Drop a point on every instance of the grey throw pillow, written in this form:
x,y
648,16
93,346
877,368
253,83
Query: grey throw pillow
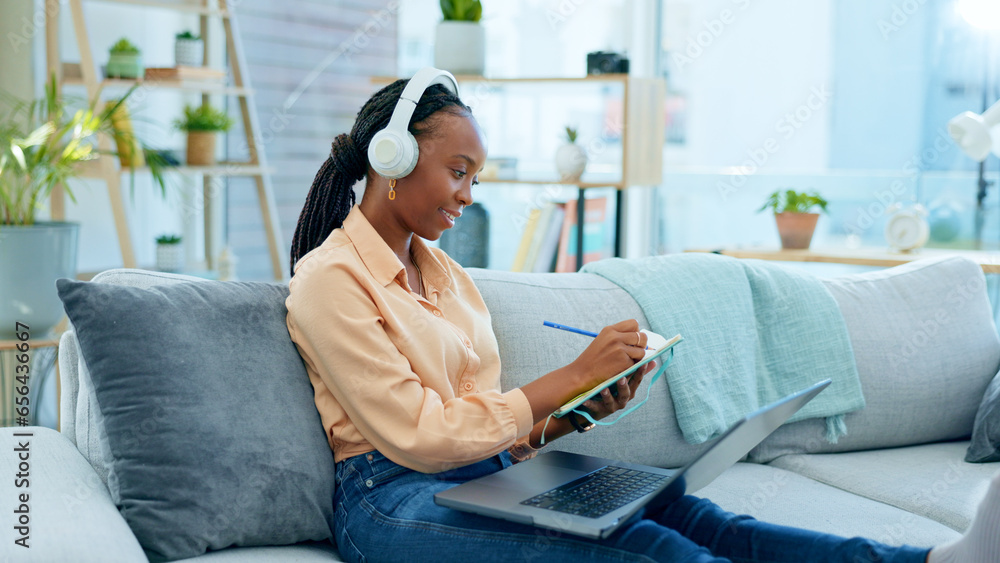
x,y
985,446
208,412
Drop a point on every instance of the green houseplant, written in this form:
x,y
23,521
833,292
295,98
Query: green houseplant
x,y
794,217
124,60
189,49
169,253
44,143
201,124
460,40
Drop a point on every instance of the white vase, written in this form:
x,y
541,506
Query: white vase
x,y
169,257
460,47
571,160
189,52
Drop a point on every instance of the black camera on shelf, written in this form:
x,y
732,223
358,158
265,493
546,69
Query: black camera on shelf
x,y
606,62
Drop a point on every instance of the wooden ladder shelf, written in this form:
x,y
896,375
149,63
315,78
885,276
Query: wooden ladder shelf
x,y
107,167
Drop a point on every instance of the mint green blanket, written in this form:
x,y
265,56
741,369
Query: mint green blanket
x,y
753,331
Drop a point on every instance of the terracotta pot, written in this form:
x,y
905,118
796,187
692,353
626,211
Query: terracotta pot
x,y
201,148
796,229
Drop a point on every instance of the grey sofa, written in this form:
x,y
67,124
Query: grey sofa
x,y
926,348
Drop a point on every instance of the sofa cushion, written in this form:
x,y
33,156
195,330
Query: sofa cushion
x,y
62,489
519,303
929,480
180,374
307,552
985,444
926,348
777,496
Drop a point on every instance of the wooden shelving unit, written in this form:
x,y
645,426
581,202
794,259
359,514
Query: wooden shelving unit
x,y
876,257
107,167
642,139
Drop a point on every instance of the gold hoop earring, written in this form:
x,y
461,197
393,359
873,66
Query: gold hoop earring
x,y
392,192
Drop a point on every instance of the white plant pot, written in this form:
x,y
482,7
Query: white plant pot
x,y
32,258
189,52
460,47
571,160
170,257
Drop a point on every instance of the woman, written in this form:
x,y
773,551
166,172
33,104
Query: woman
x,y
400,351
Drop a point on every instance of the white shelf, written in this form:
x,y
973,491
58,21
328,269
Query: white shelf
x,y
91,169
178,5
204,87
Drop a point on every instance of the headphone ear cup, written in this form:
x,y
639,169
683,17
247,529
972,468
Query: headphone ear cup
x,y
393,155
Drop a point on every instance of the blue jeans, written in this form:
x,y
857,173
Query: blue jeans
x,y
386,512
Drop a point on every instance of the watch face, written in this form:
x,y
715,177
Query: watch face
x,y
906,230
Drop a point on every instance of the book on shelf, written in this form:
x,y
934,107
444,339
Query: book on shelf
x,y
540,239
595,234
541,229
196,73
526,237
545,260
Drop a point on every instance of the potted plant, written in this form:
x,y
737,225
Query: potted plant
x,y
201,125
792,214
130,152
459,40
42,145
124,61
169,253
571,159
189,49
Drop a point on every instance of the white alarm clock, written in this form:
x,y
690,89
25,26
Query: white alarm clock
x,y
907,228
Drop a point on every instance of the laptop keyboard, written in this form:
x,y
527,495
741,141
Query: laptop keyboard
x,y
598,493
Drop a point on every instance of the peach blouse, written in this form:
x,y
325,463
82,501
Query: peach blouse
x,y
417,379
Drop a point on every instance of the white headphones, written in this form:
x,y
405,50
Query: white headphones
x,y
393,151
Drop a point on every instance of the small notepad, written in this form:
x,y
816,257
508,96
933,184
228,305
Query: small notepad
x,y
656,346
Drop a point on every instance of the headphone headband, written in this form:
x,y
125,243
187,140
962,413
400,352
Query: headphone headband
x,y
393,151
415,88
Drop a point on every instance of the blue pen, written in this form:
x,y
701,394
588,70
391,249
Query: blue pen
x,y
571,329
576,330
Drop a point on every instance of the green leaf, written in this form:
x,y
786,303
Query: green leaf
x,y
448,9
19,157
42,143
791,201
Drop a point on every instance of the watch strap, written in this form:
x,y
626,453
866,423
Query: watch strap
x,y
576,423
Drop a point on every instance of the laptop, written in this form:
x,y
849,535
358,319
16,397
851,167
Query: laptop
x,y
591,496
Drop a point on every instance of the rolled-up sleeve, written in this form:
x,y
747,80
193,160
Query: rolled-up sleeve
x,y
396,376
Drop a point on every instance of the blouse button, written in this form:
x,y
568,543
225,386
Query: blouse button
x,y
468,344
468,386
437,313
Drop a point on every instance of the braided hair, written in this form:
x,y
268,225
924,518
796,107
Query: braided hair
x,y
331,196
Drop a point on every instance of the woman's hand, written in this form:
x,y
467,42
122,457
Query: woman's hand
x,y
616,348
607,402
